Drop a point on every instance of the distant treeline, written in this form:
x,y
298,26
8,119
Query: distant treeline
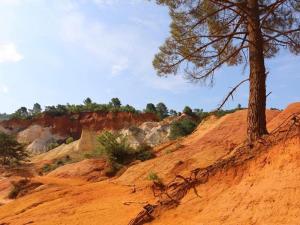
x,y
4,116
115,105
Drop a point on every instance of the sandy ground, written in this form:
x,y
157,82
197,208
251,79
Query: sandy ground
x,y
266,190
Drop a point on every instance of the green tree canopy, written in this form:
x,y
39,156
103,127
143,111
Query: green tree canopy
x,y
188,111
115,102
87,101
21,113
173,112
37,109
10,150
150,108
162,110
208,34
182,128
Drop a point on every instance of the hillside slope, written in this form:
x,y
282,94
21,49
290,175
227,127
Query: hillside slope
x,y
259,186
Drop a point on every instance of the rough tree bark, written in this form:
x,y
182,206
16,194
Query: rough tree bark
x,y
257,95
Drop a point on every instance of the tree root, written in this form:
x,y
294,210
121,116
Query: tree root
x,y
144,216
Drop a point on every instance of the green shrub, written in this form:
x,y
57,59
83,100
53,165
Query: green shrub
x,y
115,148
56,163
144,152
152,176
112,169
221,112
52,145
48,168
69,140
11,151
182,128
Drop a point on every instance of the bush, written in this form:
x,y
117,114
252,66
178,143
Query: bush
x,y
221,112
58,110
117,151
182,128
113,169
11,151
52,145
144,152
115,148
69,140
56,163
47,168
128,108
152,176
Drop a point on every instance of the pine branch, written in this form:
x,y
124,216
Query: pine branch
x,y
230,94
219,64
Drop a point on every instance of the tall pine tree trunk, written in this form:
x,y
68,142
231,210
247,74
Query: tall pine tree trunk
x,y
257,95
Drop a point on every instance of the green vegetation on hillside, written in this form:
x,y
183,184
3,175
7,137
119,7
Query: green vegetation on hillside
x,y
11,151
4,116
118,153
182,128
47,168
160,110
185,127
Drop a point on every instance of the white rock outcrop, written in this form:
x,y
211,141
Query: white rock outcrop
x,y
37,138
150,133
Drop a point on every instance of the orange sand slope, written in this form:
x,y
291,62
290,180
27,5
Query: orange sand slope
x,y
266,190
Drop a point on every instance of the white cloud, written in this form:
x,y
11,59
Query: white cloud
x,y
9,53
3,89
114,47
119,66
126,47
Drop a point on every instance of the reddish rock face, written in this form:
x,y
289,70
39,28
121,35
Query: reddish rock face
x,y
72,125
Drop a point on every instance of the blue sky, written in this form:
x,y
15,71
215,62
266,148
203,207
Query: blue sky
x,y
59,51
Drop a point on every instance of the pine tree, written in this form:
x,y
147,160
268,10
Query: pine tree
x,y
37,109
207,34
115,102
162,110
87,101
10,150
150,108
188,111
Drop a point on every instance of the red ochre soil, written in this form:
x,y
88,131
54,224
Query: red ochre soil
x,y
264,190
72,125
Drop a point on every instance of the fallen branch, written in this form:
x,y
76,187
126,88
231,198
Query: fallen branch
x,y
139,203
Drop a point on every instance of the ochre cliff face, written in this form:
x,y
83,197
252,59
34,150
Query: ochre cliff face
x,y
72,125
